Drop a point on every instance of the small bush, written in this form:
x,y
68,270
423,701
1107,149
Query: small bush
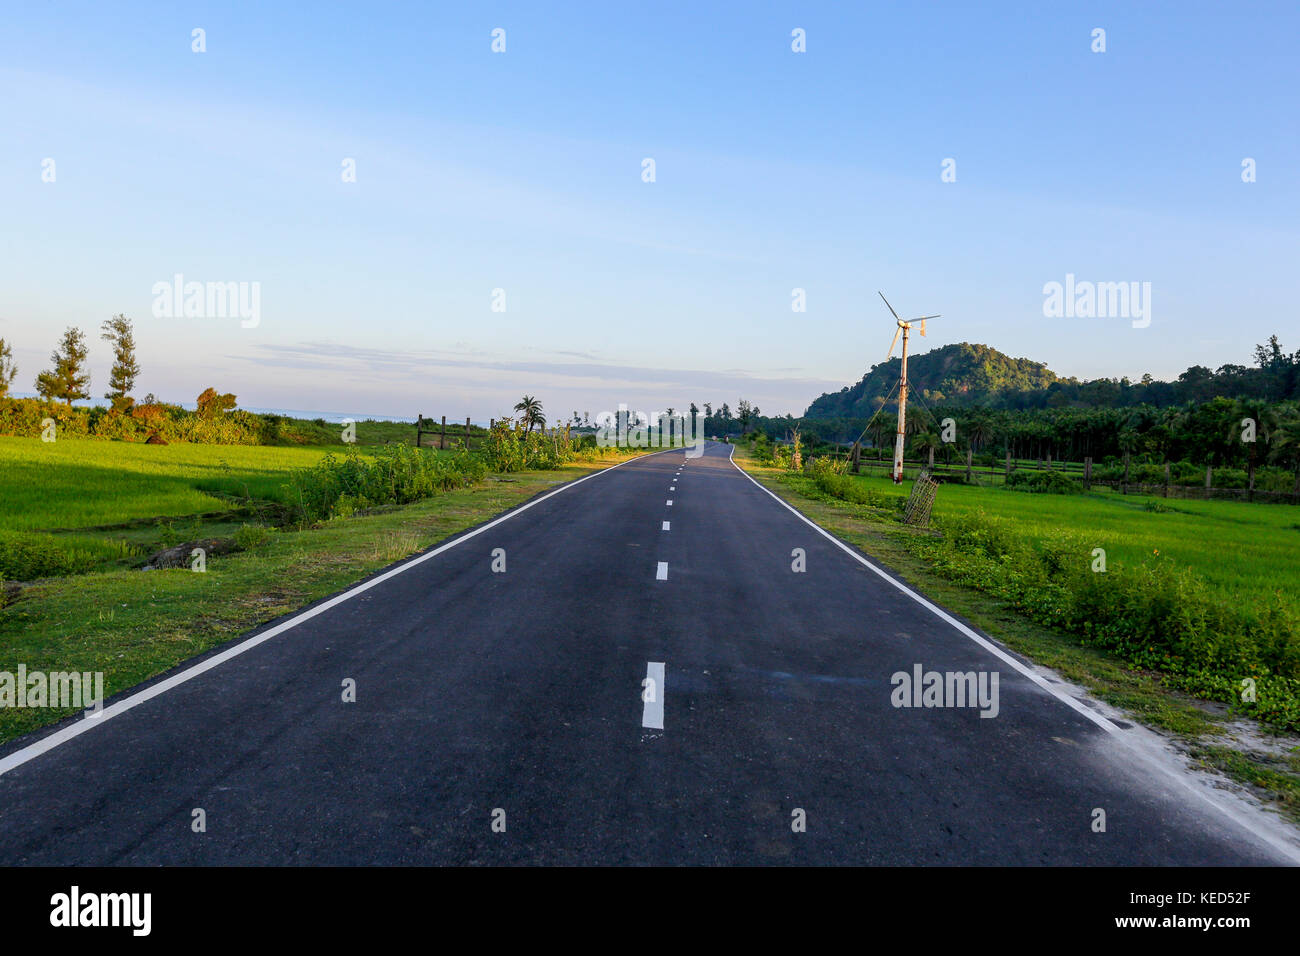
x,y
251,536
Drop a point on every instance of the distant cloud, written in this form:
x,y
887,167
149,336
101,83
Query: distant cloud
x,y
591,381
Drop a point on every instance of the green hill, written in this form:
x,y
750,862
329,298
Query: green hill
x,y
961,374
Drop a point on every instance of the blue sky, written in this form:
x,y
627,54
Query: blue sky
x,y
521,171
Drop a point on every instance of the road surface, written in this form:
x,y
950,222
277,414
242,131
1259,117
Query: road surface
x,y
503,717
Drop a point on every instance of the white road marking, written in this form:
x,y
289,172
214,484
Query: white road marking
x,y
76,729
670,502
665,525
661,574
1101,721
652,696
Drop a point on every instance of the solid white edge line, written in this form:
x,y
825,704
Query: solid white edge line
x,y
33,750
652,711
1104,723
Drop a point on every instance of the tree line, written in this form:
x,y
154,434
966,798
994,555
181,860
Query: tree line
x,y
68,380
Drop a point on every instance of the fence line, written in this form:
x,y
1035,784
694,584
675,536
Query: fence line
x,y
1081,471
440,435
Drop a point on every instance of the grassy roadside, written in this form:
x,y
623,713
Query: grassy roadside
x,y
1268,766
133,625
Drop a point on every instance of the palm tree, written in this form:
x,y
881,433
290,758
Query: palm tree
x,y
981,430
532,413
927,441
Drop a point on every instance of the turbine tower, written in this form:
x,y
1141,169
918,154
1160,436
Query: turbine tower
x,y
900,437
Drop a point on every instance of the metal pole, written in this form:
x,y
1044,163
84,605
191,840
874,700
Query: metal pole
x,y
902,414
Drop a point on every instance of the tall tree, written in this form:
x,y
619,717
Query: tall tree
x,y
744,412
7,368
121,379
68,380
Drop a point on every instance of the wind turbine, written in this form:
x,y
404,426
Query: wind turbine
x,y
904,328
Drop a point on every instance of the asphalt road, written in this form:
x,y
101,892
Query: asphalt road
x,y
522,691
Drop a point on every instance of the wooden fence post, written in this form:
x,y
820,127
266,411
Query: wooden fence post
x,y
1250,473
1087,473
442,439
856,455
1008,474
1049,461
1124,486
931,458
467,433
969,455
1166,479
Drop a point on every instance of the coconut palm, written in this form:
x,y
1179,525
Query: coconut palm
x,y
531,413
980,431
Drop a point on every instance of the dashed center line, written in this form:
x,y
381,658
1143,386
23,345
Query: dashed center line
x,y
662,573
670,502
665,525
652,696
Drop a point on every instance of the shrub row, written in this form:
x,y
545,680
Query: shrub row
x,y
1043,482
337,486
24,417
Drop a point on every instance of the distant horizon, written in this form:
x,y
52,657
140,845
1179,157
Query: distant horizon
x,y
482,421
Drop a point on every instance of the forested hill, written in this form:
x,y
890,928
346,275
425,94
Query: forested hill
x,y
961,374
966,375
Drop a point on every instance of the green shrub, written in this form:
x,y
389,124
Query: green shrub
x,y
26,556
250,536
1043,482
396,474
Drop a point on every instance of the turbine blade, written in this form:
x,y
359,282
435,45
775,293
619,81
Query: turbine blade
x,y
887,305
897,331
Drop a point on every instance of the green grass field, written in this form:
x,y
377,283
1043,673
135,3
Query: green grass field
x,y
1245,549
65,485
106,505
